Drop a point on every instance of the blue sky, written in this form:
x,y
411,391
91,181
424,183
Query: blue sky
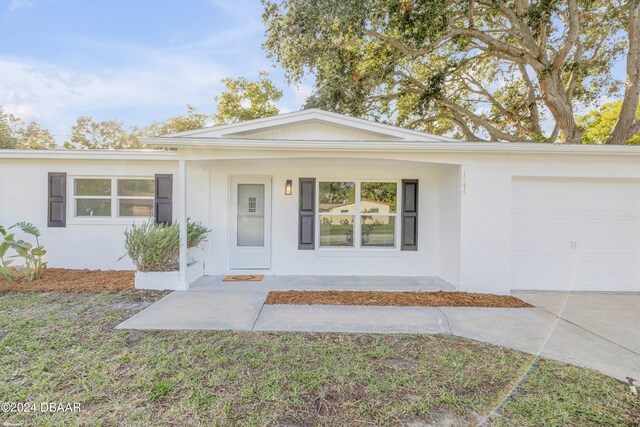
x,y
134,61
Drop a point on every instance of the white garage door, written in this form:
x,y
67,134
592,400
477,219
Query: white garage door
x,y
575,234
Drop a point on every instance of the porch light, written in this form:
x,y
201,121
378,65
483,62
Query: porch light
x,y
288,187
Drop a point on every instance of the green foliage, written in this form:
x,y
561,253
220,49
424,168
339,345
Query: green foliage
x,y
156,247
159,389
16,134
476,70
386,192
599,124
88,133
33,267
5,273
193,120
196,234
247,100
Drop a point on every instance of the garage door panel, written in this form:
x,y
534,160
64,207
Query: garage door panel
x,y
543,271
570,234
585,200
622,235
539,234
534,198
590,235
620,273
624,200
590,272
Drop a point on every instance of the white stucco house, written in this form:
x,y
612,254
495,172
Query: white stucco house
x,y
319,193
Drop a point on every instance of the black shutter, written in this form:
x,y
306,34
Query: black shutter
x,y
57,200
306,219
164,199
409,215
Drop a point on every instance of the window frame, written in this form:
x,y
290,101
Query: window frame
x,y
357,217
115,217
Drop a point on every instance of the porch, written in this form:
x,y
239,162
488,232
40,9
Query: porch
x,y
208,190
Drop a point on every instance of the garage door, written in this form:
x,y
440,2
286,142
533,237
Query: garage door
x,y
575,234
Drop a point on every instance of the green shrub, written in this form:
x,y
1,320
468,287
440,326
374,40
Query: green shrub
x,y
33,267
156,247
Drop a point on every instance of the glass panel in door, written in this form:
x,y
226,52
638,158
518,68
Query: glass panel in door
x,y
250,215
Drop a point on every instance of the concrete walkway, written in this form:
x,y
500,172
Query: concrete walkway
x,y
596,330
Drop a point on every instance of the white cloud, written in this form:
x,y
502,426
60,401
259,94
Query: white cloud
x,y
20,4
55,94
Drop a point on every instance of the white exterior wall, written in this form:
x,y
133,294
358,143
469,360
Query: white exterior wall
x,y
464,223
486,207
91,244
469,189
286,258
449,192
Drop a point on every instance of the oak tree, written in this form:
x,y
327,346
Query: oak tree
x,y
478,69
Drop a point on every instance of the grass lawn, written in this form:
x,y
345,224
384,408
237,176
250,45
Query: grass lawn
x,y
61,348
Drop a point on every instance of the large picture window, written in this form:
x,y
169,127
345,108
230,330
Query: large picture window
x,y
113,197
357,214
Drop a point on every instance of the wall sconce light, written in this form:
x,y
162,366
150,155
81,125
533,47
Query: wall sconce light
x,y
288,187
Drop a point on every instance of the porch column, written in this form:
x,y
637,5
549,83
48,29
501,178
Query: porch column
x,y
182,221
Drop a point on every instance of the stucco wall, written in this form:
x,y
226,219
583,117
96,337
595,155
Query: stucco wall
x,y
286,258
449,190
87,244
465,207
486,207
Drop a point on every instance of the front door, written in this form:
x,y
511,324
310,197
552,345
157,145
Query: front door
x,y
250,223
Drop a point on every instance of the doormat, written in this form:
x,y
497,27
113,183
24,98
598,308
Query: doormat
x,y
244,278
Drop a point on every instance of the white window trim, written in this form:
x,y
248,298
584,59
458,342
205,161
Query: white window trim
x,y
115,205
357,220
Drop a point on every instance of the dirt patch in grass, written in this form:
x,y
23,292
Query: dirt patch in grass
x,y
63,280
402,299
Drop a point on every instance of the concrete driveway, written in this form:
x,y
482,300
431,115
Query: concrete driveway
x,y
594,330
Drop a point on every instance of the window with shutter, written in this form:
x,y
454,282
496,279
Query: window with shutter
x,y
164,198
306,217
409,215
57,200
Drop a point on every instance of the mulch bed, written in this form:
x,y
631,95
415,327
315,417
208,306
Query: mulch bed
x,y
402,299
63,280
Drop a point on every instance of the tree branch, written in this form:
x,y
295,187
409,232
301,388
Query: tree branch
x,y
626,126
495,133
572,35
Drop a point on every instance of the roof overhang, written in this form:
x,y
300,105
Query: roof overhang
x,y
244,129
65,154
404,146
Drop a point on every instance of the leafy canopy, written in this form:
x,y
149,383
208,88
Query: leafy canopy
x,y
15,133
247,100
477,69
599,124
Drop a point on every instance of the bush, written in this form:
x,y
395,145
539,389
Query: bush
x,y
33,267
156,247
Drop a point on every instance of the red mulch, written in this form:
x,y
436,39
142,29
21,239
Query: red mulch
x,y
63,280
403,299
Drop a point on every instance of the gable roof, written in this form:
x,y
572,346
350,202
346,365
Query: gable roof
x,y
304,125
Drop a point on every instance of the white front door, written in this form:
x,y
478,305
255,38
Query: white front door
x,y
250,223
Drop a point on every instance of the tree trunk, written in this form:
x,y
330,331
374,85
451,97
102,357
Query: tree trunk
x,y
555,98
623,128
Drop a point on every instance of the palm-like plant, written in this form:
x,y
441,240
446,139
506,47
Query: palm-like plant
x,y
34,266
4,248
